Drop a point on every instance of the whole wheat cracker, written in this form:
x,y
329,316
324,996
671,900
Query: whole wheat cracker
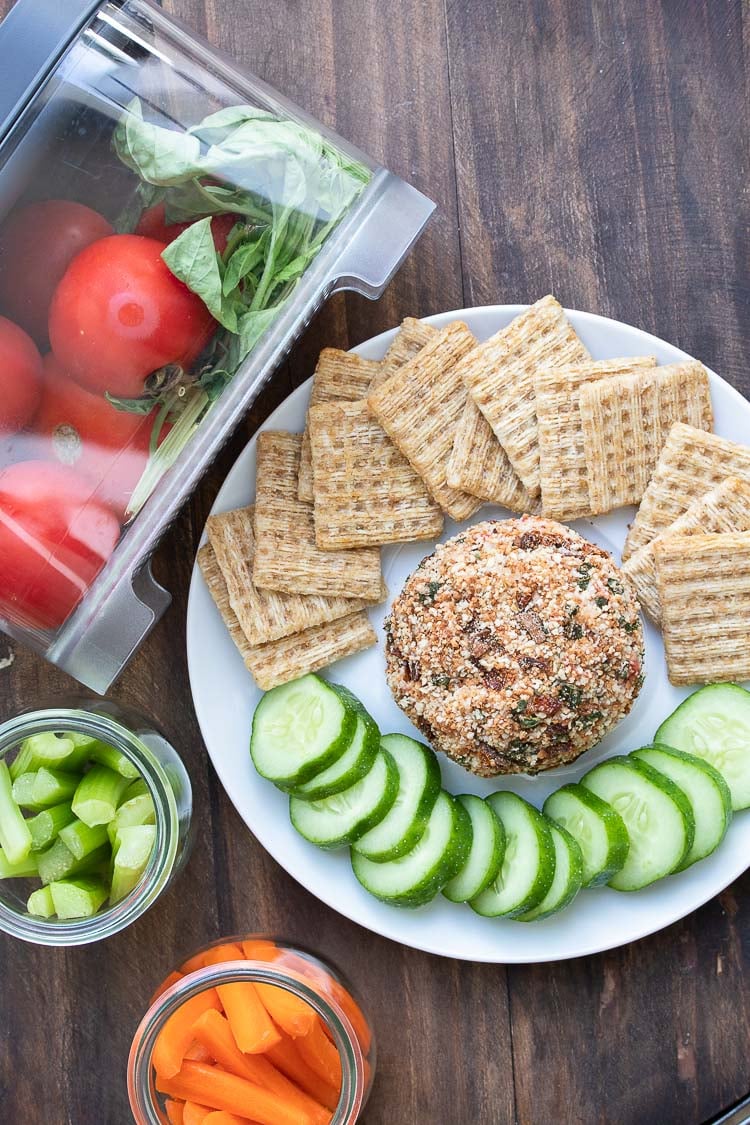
x,y
565,490
499,374
290,657
625,423
725,508
338,376
366,492
264,615
286,555
704,590
691,464
479,465
419,408
411,337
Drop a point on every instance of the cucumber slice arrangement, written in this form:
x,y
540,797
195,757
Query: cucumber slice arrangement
x,y
630,821
419,784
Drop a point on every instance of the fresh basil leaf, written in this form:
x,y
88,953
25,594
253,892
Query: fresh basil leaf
x,y
157,155
214,382
131,405
213,129
250,329
244,260
193,259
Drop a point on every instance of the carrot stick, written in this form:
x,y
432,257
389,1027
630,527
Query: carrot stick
x,y
176,1037
251,1024
287,1058
217,1089
193,963
291,1013
329,986
174,1112
194,1114
227,952
320,1054
213,1031
221,1117
196,1052
165,984
259,949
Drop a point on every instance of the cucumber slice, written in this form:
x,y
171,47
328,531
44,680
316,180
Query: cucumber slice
x,y
598,830
353,764
705,789
485,857
346,816
567,881
419,784
528,866
657,815
714,724
415,878
301,728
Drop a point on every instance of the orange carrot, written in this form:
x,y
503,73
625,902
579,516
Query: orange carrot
x,y
174,1112
259,949
165,984
221,1117
213,1031
251,1024
197,1052
176,1037
292,1014
287,1058
194,1114
329,986
193,963
320,1054
219,953
214,1087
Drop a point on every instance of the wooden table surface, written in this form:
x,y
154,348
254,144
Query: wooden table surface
x,y
598,150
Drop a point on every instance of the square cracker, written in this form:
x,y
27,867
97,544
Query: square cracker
x,y
286,659
338,376
691,464
264,615
724,508
410,339
479,465
499,374
286,555
366,492
562,465
626,420
419,408
704,590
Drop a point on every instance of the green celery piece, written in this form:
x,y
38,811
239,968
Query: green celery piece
x,y
134,848
15,837
98,795
135,789
45,826
81,839
58,862
22,790
44,749
40,903
78,898
114,760
52,787
138,810
24,869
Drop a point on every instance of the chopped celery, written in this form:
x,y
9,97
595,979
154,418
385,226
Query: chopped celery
x,y
24,869
136,788
51,787
81,839
58,862
15,837
78,898
22,790
138,810
98,795
40,903
45,826
134,847
47,749
114,760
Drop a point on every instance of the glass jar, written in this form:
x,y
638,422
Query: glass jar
x,y
273,962
169,785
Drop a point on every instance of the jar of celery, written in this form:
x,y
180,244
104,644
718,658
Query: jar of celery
x,y
95,808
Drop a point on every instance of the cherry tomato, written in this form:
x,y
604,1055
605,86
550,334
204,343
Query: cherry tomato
x,y
83,430
37,244
20,377
118,314
54,539
153,224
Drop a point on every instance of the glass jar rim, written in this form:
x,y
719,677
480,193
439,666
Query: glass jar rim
x,y
345,1039
105,923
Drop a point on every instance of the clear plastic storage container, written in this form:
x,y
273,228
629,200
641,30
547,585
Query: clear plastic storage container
x,y
168,226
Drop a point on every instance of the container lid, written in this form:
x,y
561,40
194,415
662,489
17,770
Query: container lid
x,y
34,35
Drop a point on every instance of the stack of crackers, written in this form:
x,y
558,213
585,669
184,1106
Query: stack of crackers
x,y
527,420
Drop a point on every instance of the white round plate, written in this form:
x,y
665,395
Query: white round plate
x,y
225,696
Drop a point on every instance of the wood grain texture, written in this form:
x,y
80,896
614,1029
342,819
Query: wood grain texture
x,y
599,150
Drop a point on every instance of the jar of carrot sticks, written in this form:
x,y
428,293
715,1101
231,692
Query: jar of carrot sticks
x,y
252,1031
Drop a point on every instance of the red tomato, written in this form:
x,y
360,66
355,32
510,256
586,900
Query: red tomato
x,y
153,224
20,377
37,244
54,539
83,430
118,314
